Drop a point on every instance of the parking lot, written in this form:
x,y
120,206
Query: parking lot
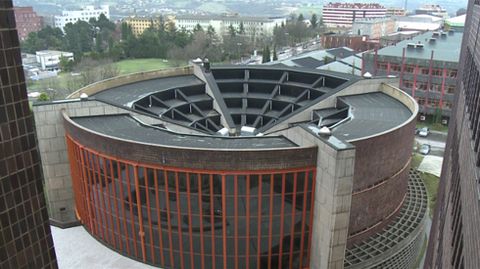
x,y
436,140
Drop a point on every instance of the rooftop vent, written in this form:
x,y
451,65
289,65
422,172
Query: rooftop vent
x,y
223,132
436,34
367,75
432,40
420,46
324,131
411,45
83,96
247,131
444,35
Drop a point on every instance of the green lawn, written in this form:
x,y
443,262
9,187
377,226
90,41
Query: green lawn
x,y
141,65
65,83
430,181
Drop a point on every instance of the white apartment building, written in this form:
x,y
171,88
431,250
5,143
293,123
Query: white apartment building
x,y
50,59
344,14
253,26
85,14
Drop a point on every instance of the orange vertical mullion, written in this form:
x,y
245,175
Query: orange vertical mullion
x,y
78,194
115,204
140,217
235,202
105,172
124,214
200,203
159,221
270,220
212,220
149,215
101,200
312,203
247,216
91,173
292,225
170,240
130,204
179,220
282,221
224,222
89,191
190,230
259,220
304,215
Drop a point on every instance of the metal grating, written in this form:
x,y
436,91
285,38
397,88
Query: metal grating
x,y
401,236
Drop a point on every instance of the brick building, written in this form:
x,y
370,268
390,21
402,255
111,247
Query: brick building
x,y
344,14
231,166
427,68
27,21
374,28
25,237
455,234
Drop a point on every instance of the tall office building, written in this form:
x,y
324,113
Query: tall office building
x,y
25,237
455,233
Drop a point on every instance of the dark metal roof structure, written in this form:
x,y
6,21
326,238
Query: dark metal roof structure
x,y
259,97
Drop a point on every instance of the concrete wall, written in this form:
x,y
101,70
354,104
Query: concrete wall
x,y
55,164
333,192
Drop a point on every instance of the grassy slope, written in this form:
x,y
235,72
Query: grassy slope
x,y
430,181
125,67
140,65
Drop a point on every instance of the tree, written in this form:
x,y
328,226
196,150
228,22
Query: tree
x,y
65,64
300,18
79,38
314,21
241,29
266,55
46,38
43,97
231,31
275,57
198,28
461,11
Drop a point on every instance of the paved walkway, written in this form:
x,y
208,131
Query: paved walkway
x,y
77,249
431,164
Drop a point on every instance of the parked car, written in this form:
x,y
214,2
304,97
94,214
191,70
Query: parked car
x,y
424,132
424,149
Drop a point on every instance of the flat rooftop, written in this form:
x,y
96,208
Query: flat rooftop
x,y
445,48
371,114
126,94
126,127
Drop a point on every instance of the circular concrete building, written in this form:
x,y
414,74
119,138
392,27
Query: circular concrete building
x,y
246,167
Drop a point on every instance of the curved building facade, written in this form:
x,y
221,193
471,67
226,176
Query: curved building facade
x,y
243,167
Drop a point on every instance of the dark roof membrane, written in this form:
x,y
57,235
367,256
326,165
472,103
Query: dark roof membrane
x,y
125,127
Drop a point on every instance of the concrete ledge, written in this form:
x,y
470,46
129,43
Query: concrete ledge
x,y
64,225
130,78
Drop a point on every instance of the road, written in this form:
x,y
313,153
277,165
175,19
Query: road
x,y
436,140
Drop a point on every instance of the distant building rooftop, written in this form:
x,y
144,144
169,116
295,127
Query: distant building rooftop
x,y
314,59
446,47
226,18
354,5
51,52
458,21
